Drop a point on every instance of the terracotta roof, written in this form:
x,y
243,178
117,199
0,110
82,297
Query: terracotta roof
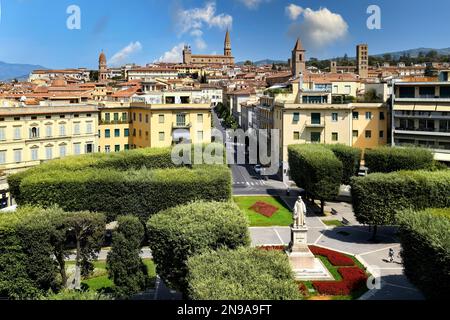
x,y
38,110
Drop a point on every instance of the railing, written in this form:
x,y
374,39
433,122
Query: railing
x,y
180,125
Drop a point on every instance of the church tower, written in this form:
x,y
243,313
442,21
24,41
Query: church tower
x,y
227,47
298,60
187,55
102,68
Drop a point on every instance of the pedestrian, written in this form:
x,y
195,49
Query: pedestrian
x,y
288,191
391,255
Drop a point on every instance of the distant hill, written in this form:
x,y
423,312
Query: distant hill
x,y
10,71
414,53
264,62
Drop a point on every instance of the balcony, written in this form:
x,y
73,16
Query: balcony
x,y
181,125
422,131
315,125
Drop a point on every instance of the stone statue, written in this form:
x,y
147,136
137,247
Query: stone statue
x,y
299,213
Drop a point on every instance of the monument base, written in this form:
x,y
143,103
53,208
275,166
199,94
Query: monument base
x,y
305,266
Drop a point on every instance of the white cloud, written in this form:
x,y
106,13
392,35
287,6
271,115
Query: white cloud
x,y
121,56
200,44
197,33
319,28
197,18
293,11
175,55
253,4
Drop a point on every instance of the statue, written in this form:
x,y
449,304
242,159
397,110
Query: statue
x,y
299,214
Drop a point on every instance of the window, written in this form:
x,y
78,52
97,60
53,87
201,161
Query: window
x,y
427,92
34,133
77,148
116,117
181,120
355,133
134,132
124,116
140,117
334,136
116,133
134,116
18,155
162,136
62,129
382,117
140,133
107,117
146,118
117,148
2,157
126,132
368,134
200,136
200,118
161,118
34,154
296,117
382,134
316,137
89,148
107,149
334,117
107,133
368,115
407,92
49,153
356,115
62,151
89,127
2,134
48,131
76,128
17,133
315,118
127,147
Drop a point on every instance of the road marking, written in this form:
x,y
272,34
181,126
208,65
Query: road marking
x,y
383,249
278,235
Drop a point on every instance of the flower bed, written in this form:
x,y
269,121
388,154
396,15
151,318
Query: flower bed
x,y
265,209
273,248
337,259
354,278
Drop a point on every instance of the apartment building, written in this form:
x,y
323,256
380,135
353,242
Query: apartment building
x,y
114,127
30,135
421,115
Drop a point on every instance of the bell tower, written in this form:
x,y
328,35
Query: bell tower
x,y
227,46
298,59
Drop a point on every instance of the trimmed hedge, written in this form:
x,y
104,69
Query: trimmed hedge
x,y
387,159
425,238
242,274
316,169
378,197
350,158
180,232
133,192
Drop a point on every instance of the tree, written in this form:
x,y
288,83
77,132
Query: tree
x,y
88,231
125,267
248,63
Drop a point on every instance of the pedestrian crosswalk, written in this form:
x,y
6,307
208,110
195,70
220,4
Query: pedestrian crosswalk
x,y
252,183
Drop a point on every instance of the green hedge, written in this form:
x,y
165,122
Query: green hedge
x,y
180,232
133,192
425,238
350,158
378,197
387,159
26,265
242,274
315,169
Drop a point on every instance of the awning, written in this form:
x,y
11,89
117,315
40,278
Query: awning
x,y
181,134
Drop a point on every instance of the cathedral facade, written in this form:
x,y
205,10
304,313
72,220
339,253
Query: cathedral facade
x,y
204,60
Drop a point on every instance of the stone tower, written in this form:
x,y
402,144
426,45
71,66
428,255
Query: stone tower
x,y
362,60
298,59
333,66
102,68
227,46
187,55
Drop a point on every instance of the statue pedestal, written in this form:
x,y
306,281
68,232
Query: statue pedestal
x,y
303,263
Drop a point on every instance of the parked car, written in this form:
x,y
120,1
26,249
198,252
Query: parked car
x,y
258,169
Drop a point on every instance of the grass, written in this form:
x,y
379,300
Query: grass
x,y
282,218
333,223
99,280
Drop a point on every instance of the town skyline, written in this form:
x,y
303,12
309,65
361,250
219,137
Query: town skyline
x,y
327,30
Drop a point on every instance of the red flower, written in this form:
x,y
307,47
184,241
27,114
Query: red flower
x,y
337,259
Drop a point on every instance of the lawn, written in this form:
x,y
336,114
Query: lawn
x,y
333,223
100,281
282,218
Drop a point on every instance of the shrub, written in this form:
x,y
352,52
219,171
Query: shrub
x,y
378,197
350,158
125,267
336,258
332,288
180,232
134,192
72,295
387,159
242,274
353,279
316,169
425,238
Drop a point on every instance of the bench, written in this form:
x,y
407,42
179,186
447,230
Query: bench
x,y
334,212
345,222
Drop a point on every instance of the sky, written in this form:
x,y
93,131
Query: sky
x,y
51,33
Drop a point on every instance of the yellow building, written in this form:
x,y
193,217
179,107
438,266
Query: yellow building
x,y
114,128
370,123
30,135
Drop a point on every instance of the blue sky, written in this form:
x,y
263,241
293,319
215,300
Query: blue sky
x,y
142,31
